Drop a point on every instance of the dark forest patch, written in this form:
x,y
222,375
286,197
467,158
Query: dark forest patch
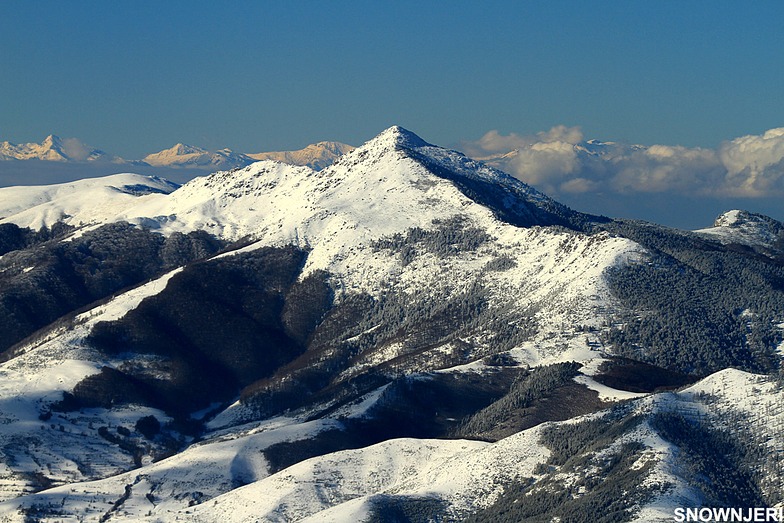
x,y
47,278
216,327
636,376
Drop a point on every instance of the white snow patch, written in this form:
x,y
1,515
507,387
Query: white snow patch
x,y
607,393
126,302
359,408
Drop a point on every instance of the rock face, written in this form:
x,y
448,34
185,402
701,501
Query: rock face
x,y
405,334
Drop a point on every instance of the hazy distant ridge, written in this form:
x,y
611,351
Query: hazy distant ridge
x,y
72,150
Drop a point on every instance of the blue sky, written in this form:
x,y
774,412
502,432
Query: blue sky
x,y
135,77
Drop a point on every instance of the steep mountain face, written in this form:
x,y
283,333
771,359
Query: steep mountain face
x,y
280,343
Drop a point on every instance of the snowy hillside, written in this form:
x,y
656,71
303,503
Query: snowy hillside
x,y
62,448
83,202
747,228
406,334
442,478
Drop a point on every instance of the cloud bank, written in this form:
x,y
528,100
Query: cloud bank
x,y
559,161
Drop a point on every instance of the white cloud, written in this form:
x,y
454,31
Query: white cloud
x,y
558,161
75,149
493,142
546,164
754,164
579,185
662,168
561,133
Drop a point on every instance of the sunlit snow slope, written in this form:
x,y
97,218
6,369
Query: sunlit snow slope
x,y
83,202
440,278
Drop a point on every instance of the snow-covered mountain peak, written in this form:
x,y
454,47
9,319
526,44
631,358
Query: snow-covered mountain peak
x,y
55,149
184,155
52,141
335,147
436,159
175,151
747,228
391,145
394,186
182,148
399,137
739,218
50,149
417,161
391,183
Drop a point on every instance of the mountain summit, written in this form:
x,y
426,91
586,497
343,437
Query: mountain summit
x,y
747,228
400,137
393,182
406,332
50,149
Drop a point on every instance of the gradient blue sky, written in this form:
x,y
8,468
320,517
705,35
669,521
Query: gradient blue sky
x,y
134,77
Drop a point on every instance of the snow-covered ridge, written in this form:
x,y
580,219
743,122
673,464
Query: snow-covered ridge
x,y
234,204
746,228
373,191
392,183
469,475
355,219
87,201
227,478
182,155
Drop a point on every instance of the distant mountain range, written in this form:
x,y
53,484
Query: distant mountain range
x,y
71,150
316,156
55,149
